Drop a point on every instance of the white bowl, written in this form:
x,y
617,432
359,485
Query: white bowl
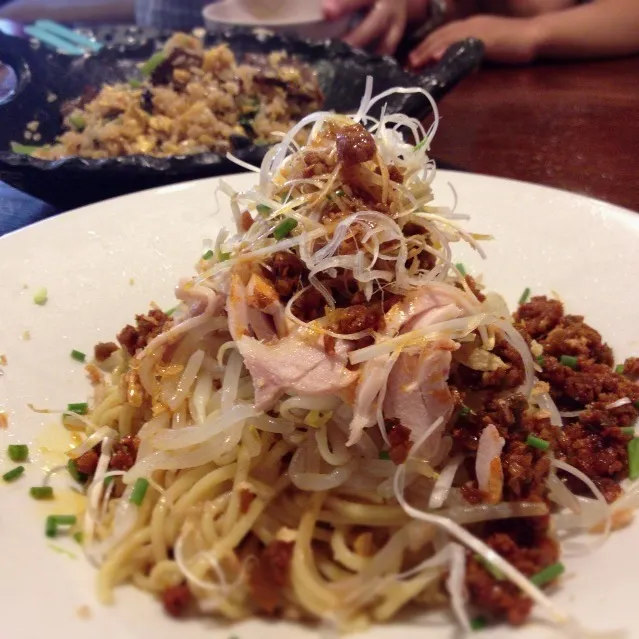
x,y
303,18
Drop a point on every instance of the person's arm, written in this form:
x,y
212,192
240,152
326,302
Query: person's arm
x,y
69,10
599,29
603,28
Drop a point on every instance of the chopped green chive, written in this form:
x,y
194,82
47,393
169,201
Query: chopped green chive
x,y
23,149
478,623
79,537
108,480
41,296
537,442
134,84
284,228
41,492
461,268
619,369
139,490
152,63
384,454
628,430
18,452
81,408
12,475
548,574
72,467
540,360
464,410
53,521
491,568
208,255
569,361
77,122
633,458
421,144
339,193
524,296
262,209
636,404
78,355
224,256
172,310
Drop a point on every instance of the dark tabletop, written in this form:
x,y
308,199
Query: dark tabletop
x,y
574,126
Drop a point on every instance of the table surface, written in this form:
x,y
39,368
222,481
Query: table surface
x,y
573,126
570,125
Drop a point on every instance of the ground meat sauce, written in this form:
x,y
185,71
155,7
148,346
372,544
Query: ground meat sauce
x,y
104,350
87,463
124,454
525,544
631,367
147,327
287,273
361,317
355,145
246,499
177,600
399,440
271,575
246,221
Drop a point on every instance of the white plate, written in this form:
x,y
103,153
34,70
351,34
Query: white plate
x,y
103,263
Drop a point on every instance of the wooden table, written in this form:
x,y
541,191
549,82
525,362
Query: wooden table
x,y
574,126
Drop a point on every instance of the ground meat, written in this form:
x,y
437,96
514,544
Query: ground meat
x,y
316,164
287,273
471,493
355,145
270,575
525,472
539,316
474,287
501,379
246,221
147,327
246,499
104,350
125,453
361,317
631,367
176,600
309,305
573,337
87,463
399,440
395,174
598,451
526,546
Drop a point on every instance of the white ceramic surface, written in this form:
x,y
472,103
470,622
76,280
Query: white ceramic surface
x,y
103,263
304,19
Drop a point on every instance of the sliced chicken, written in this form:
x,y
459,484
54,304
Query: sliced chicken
x,y
294,365
417,392
254,308
418,310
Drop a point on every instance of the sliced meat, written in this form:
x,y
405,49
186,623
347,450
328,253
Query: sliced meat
x,y
355,145
294,365
427,395
103,350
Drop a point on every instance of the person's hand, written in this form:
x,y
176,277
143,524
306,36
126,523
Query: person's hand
x,y
383,25
510,40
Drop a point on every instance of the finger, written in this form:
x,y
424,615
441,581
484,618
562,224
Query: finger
x,y
392,38
335,9
434,43
371,27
